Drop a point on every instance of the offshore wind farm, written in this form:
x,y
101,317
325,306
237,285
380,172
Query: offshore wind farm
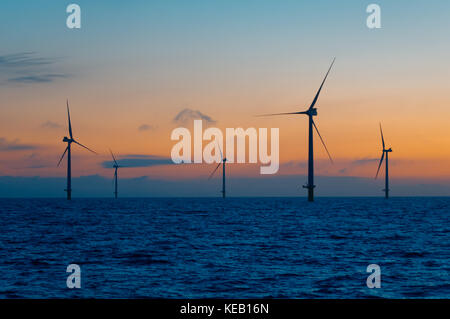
x,y
211,178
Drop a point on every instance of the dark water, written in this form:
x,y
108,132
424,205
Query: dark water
x,y
241,248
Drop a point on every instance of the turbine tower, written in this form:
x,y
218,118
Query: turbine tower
x,y
385,151
69,140
223,162
311,112
116,167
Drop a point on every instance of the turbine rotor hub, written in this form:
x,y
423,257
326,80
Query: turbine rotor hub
x,y
312,112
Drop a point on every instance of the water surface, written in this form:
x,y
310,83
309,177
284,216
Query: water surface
x,y
233,248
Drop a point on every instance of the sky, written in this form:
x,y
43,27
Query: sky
x,y
135,66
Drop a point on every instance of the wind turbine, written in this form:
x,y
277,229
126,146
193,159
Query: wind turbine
x,y
69,140
223,162
116,167
310,112
385,151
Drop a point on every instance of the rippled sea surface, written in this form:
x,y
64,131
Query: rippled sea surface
x,y
233,248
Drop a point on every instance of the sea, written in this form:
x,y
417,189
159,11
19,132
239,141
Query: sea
x,y
225,248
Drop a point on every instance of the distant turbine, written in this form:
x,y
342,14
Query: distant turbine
x,y
116,167
311,111
69,142
223,162
385,151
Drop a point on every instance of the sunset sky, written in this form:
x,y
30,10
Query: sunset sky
x,y
134,65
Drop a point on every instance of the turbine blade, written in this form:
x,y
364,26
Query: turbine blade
x,y
211,175
379,166
382,137
84,147
70,124
280,114
221,155
63,155
320,88
323,143
113,157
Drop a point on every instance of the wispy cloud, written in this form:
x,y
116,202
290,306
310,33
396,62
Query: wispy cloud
x,y
41,78
146,127
357,163
28,67
188,115
23,59
294,164
50,124
35,161
139,161
15,145
365,161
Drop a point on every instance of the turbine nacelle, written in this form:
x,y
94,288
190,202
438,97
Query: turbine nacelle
x,y
311,112
67,140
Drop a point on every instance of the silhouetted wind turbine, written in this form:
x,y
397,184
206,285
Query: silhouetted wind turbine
x,y
69,142
223,162
385,151
311,111
116,167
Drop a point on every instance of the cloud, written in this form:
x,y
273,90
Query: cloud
x,y
50,124
188,115
28,68
365,161
41,78
294,164
23,59
146,127
6,146
139,156
35,161
357,163
139,161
